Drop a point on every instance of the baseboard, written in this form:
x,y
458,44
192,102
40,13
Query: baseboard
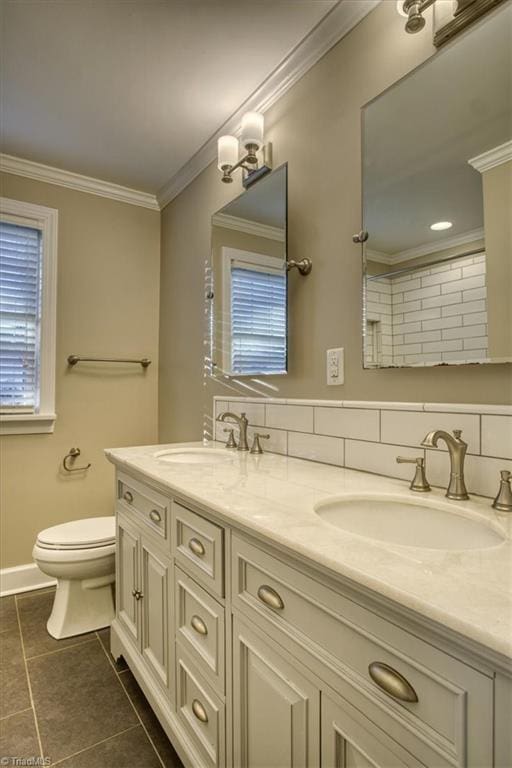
x,y
23,578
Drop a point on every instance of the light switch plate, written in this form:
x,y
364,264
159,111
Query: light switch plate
x,y
335,366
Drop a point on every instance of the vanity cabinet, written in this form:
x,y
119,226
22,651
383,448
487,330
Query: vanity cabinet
x,y
276,707
253,659
143,604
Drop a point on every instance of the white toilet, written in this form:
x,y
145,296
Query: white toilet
x,y
81,556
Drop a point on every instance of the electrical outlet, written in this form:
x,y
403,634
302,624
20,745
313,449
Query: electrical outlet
x,y
335,366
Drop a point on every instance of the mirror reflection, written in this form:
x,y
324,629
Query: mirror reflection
x,y
249,283
437,206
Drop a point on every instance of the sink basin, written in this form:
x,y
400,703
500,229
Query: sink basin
x,y
398,520
193,456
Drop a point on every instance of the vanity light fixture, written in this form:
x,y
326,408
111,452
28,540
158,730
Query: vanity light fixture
x,y
459,14
251,138
412,10
438,226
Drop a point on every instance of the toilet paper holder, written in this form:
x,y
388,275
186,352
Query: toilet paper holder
x,y
70,457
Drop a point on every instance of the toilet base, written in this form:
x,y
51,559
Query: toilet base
x,y
81,606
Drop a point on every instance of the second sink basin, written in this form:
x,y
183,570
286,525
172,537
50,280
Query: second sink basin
x,y
398,520
193,456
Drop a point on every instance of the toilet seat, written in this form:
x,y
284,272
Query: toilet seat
x,y
92,533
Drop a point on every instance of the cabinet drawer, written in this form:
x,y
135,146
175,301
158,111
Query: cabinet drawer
x,y
200,628
201,712
198,547
148,505
453,714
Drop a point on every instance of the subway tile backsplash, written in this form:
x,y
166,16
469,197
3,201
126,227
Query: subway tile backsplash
x,y
368,436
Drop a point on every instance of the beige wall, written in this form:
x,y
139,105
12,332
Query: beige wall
x,y
108,274
316,128
497,188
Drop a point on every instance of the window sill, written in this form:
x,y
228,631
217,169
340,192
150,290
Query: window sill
x,y
27,423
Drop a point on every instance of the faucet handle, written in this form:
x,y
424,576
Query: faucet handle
x,y
256,447
419,482
503,501
231,442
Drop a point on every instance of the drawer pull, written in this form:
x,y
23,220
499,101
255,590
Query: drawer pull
x,y
199,711
392,682
155,516
270,597
198,625
127,496
197,547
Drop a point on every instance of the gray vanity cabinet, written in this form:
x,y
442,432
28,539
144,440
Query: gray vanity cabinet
x,y
350,741
127,577
253,659
276,706
144,599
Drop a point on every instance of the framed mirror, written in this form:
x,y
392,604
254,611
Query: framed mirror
x,y
437,207
248,291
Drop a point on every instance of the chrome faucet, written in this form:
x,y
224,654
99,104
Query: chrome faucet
x,y
457,449
242,422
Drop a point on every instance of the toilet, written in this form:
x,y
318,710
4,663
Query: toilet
x,y
81,556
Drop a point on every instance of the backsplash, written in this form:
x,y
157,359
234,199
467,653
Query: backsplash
x,y
370,435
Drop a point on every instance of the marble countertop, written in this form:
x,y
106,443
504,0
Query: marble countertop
x,y
468,591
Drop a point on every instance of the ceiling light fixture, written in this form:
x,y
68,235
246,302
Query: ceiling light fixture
x,y
440,225
251,138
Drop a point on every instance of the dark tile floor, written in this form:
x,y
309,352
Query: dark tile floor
x,y
67,700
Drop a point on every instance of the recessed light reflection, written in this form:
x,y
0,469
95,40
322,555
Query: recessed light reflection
x,y
440,225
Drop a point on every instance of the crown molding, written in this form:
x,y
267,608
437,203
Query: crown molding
x,y
492,157
426,248
249,227
335,25
30,170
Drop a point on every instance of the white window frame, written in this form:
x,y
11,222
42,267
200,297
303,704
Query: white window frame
x,y
46,220
235,257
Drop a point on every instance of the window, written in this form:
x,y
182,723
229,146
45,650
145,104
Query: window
x,y
28,269
256,287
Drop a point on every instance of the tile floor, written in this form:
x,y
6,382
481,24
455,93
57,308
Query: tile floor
x,y
67,701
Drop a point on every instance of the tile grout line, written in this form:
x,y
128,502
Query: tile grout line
x,y
59,650
33,707
13,714
129,699
97,743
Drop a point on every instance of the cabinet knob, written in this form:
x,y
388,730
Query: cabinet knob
x,y
199,711
392,682
137,594
155,516
197,547
198,625
127,496
270,597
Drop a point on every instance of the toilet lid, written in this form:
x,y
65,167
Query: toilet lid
x,y
80,534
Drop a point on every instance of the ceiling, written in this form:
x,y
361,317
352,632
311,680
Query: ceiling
x,y
128,90
420,134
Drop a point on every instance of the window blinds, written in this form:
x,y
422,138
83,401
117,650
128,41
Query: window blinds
x,y
258,321
20,310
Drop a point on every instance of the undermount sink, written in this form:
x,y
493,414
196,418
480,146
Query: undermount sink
x,y
193,456
428,524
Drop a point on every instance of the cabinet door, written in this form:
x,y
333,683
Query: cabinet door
x,y
276,709
156,613
349,740
128,577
